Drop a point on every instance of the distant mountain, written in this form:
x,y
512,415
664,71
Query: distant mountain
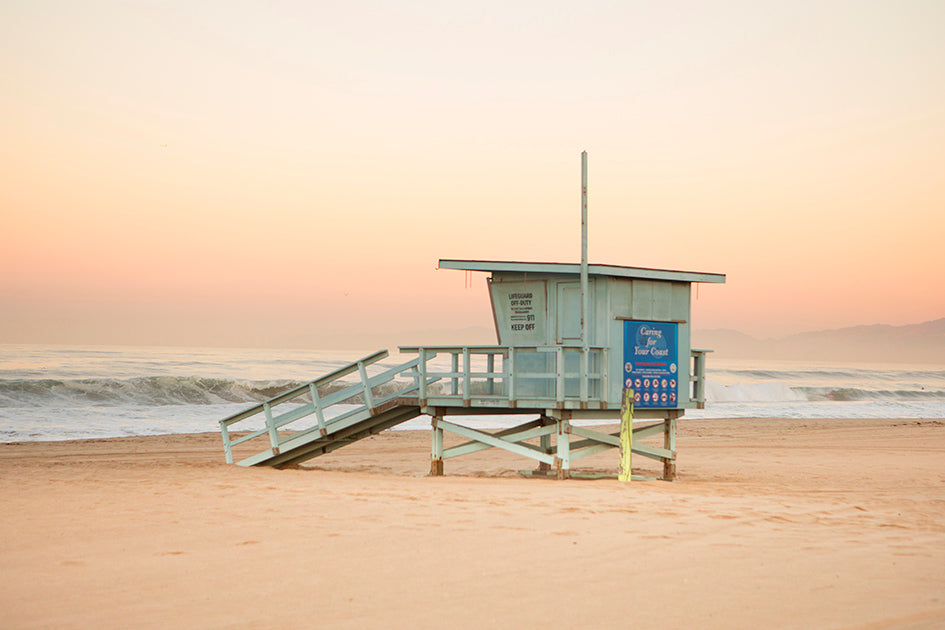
x,y
880,343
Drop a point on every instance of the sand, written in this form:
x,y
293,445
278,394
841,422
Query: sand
x,y
771,524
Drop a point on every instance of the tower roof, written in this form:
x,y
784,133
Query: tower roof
x,y
616,271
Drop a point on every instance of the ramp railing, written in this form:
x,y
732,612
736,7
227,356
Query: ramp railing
x,y
304,411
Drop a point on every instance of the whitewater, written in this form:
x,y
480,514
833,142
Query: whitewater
x,y
73,392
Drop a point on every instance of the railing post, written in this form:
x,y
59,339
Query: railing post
x,y
490,368
366,386
273,434
604,369
316,402
702,361
422,374
584,373
698,378
414,374
510,373
466,375
560,364
227,448
454,368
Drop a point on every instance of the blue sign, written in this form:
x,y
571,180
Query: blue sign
x,y
651,364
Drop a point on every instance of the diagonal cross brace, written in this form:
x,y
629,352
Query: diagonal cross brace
x,y
526,450
518,434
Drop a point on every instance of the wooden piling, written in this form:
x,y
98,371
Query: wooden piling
x,y
626,435
669,443
436,455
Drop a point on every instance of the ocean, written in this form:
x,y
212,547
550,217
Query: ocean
x,y
78,392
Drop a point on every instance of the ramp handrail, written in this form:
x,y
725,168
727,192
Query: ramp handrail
x,y
314,403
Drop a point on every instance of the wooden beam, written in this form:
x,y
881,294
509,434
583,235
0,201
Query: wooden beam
x,y
526,450
507,435
653,452
578,452
596,436
648,430
525,426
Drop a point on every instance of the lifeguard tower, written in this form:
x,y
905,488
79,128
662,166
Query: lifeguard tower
x,y
571,338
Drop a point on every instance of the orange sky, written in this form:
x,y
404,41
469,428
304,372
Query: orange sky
x,y
321,157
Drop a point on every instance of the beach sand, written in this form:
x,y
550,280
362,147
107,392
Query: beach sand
x,y
771,524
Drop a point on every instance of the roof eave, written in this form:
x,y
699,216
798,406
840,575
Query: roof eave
x,y
574,268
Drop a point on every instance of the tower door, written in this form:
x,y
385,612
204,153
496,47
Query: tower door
x,y
568,330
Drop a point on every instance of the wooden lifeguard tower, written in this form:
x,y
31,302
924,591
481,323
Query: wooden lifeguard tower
x,y
571,339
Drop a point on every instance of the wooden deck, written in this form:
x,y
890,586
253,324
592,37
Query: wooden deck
x,y
558,384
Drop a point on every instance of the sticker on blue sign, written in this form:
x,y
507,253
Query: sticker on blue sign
x,y
651,362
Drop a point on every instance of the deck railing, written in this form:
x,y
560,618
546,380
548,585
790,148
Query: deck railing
x,y
522,376
512,376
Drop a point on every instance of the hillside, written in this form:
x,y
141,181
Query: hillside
x,y
880,343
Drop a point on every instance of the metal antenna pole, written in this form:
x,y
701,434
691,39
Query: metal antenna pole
x,y
585,310
584,288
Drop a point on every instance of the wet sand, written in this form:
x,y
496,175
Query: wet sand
x,y
772,523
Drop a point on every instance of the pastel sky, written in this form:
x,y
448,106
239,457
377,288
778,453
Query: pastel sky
x,y
289,173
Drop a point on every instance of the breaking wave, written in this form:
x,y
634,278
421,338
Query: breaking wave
x,y
773,391
158,391
145,390
854,394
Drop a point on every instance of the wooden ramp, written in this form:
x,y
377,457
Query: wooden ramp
x,y
296,450
324,414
